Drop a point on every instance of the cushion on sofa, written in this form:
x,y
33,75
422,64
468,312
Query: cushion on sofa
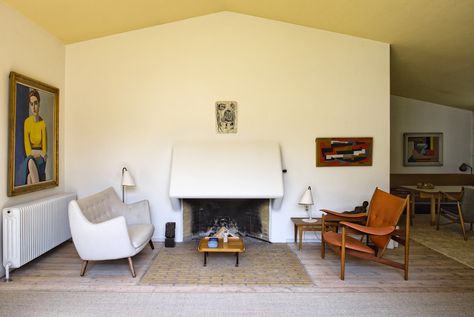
x,y
101,206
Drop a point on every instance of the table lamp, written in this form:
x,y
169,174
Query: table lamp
x,y
127,180
307,200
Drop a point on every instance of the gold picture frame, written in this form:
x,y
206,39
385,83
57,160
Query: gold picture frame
x,y
33,143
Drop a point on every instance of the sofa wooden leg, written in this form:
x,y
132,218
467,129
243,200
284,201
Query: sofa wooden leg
x,y
132,269
151,245
84,267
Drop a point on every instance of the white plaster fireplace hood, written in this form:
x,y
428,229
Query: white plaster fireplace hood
x,y
220,170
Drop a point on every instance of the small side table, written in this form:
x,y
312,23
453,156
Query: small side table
x,y
301,226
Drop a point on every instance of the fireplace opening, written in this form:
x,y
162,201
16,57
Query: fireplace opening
x,y
246,217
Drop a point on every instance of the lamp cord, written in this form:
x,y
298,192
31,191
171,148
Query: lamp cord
x,y
123,187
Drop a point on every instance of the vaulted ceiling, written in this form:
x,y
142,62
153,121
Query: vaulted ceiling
x,y
432,41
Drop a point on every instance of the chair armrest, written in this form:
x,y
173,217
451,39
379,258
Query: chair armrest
x,y
451,197
342,215
138,213
377,231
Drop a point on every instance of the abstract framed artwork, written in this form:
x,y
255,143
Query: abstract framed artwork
x,y
346,151
33,135
226,116
423,149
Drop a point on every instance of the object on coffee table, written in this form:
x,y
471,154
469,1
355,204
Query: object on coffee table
x,y
212,242
425,186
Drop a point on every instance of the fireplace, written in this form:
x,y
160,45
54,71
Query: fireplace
x,y
229,182
248,217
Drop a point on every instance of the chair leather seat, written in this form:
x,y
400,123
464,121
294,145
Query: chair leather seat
x,y
334,238
140,234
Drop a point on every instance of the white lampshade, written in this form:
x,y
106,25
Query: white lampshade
x,y
307,198
127,179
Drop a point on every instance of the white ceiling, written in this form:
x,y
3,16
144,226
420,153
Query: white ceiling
x,y
432,52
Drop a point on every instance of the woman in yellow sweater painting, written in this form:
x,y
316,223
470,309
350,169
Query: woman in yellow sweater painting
x,y
35,141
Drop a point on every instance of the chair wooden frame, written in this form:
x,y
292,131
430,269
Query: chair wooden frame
x,y
459,218
386,232
403,193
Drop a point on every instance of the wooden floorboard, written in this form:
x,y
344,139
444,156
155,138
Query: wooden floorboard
x,y
429,271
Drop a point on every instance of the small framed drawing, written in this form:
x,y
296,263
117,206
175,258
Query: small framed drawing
x,y
344,152
422,149
33,135
226,116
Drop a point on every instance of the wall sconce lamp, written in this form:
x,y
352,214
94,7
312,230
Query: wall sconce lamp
x,y
307,200
464,167
127,180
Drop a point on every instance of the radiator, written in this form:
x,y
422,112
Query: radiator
x,y
33,228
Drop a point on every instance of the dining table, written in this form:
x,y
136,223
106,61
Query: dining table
x,y
433,194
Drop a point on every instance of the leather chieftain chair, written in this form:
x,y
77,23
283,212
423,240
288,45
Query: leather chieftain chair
x,y
380,227
462,212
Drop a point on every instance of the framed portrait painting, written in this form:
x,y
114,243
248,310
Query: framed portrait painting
x,y
423,149
33,135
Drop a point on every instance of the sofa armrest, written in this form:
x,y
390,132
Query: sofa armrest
x,y
138,213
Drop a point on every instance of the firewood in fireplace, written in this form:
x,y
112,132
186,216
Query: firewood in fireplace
x,y
223,231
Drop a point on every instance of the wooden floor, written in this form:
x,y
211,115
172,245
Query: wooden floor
x,y
429,272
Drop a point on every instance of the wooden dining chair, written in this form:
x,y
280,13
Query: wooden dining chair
x,y
404,193
462,211
382,218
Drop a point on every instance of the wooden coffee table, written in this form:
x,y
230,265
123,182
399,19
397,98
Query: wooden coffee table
x,y
234,245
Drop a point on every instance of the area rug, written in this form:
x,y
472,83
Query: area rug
x,y
261,264
448,240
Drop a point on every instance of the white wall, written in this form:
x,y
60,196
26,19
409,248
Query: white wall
x,y
28,50
409,115
132,95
